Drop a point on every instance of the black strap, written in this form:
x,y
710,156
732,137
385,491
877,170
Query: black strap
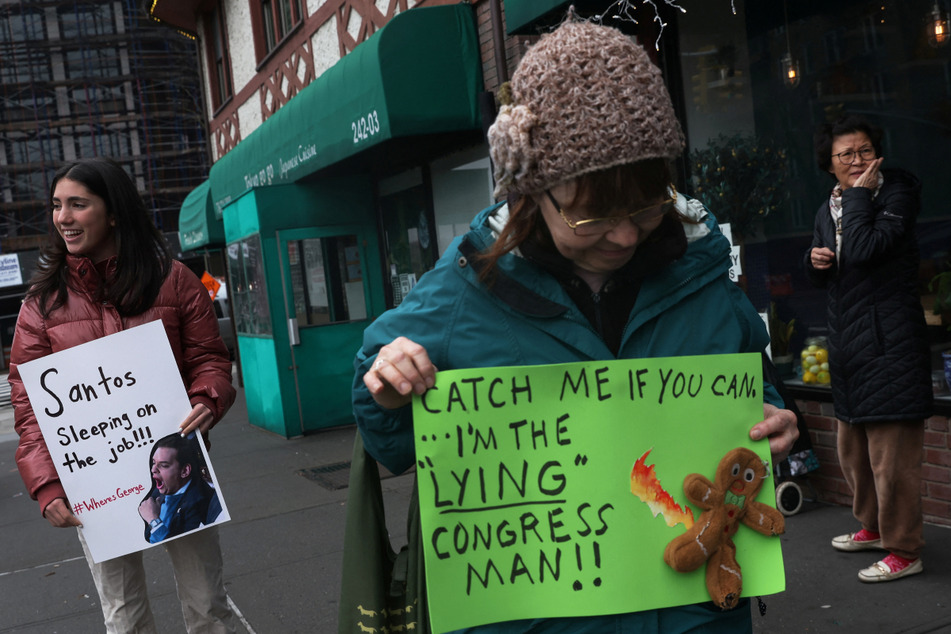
x,y
509,291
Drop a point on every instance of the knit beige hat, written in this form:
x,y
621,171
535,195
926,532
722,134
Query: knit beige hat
x,y
584,98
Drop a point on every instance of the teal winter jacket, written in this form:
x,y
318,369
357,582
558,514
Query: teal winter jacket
x,y
525,318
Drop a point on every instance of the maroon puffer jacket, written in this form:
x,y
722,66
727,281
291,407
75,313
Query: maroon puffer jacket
x,y
185,309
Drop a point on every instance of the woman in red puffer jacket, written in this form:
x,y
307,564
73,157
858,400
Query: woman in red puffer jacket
x,y
106,269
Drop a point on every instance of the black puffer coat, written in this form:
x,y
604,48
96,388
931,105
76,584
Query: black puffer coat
x,y
878,341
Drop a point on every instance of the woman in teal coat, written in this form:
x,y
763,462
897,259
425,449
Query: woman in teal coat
x,y
594,256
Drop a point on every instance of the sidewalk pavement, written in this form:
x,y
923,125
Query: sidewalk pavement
x,y
283,550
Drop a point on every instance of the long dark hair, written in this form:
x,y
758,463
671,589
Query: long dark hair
x,y
612,188
143,259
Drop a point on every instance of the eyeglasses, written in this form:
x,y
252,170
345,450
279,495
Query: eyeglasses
x,y
595,226
848,157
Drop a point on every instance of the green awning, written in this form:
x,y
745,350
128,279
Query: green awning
x,y
520,14
419,74
198,225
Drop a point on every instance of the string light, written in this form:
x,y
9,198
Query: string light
x,y
624,10
151,11
790,71
790,66
938,34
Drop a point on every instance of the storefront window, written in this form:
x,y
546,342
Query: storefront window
x,y
714,58
462,187
733,83
423,209
407,226
246,287
327,280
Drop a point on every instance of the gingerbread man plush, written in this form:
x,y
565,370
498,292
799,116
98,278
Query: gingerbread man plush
x,y
726,503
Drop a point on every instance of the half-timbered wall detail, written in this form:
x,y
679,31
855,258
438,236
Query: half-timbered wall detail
x,y
227,133
295,64
286,80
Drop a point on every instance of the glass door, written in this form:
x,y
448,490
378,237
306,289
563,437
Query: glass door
x,y
325,291
409,246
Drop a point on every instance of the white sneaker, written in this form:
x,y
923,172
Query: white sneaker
x,y
882,571
848,543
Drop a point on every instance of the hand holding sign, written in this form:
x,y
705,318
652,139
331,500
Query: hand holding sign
x,y
58,514
200,419
402,368
779,426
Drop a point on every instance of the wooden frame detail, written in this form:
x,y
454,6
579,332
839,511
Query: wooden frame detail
x,y
286,74
297,49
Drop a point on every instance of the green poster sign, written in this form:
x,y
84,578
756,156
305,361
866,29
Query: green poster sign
x,y
534,481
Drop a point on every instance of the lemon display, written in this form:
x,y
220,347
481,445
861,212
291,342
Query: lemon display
x,y
815,361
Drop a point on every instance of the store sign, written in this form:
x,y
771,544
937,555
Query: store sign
x,y
10,274
736,264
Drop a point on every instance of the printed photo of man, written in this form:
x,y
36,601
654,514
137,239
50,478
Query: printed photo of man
x,y
182,497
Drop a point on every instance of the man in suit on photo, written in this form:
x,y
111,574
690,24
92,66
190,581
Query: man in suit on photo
x,y
181,499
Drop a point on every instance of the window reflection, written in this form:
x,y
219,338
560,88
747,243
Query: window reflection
x,y
247,288
327,280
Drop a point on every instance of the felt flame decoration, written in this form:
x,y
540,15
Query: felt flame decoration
x,y
646,486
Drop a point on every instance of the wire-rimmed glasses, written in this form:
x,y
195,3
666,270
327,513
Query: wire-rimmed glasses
x,y
594,226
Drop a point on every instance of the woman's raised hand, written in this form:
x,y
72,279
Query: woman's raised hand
x,y
401,368
869,178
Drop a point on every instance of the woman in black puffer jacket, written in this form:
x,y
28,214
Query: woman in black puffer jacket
x,y
864,251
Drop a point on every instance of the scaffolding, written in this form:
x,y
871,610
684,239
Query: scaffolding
x,y
92,78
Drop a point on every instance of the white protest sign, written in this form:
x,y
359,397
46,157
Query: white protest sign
x,y
102,407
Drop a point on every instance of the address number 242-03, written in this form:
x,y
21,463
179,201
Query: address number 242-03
x,y
365,127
